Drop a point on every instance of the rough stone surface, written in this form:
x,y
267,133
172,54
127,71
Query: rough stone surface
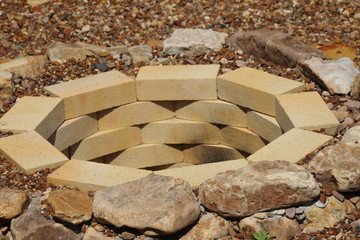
x,y
154,204
355,90
140,54
92,234
26,66
70,206
12,203
208,227
333,212
275,46
338,167
32,225
194,41
352,135
337,76
283,228
5,84
61,52
258,187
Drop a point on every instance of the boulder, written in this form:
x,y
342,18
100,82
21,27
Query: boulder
x,y
275,46
156,205
337,76
12,204
30,67
32,225
338,167
327,217
70,206
352,135
194,41
6,88
140,54
208,227
258,187
289,228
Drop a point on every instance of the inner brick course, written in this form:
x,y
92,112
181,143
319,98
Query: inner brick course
x,y
180,121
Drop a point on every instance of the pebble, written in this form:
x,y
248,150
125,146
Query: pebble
x,y
5,43
85,28
352,104
260,215
127,235
320,204
240,63
102,67
338,196
290,212
330,105
106,28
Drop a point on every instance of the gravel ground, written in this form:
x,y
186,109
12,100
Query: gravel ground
x,y
28,31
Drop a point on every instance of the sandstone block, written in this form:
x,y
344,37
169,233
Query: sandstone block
x,y
145,155
306,111
73,131
254,89
197,174
205,153
180,82
134,114
94,93
31,152
176,131
42,114
292,146
12,203
70,206
242,139
131,204
213,111
263,125
258,187
106,142
91,176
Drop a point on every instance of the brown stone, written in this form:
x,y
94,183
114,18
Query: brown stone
x,y
12,203
274,46
61,52
70,206
208,227
338,167
30,66
156,205
92,234
258,187
283,228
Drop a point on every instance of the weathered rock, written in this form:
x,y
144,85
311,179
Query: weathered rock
x,y
154,204
260,186
140,54
30,67
338,167
289,228
320,218
337,76
5,84
92,234
61,52
33,226
208,227
352,104
355,90
34,3
352,135
274,46
194,41
70,206
12,203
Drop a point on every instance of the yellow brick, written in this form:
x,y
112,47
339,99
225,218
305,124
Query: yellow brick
x,y
145,155
73,131
30,152
306,111
292,146
42,114
180,82
94,93
254,89
105,142
197,174
213,111
135,113
263,125
205,153
176,131
242,139
91,176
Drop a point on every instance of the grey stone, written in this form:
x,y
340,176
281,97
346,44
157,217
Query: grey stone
x,y
140,54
